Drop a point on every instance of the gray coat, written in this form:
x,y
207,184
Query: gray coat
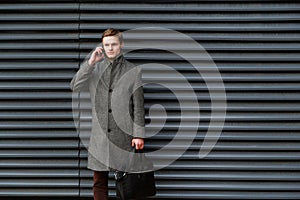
x,y
117,100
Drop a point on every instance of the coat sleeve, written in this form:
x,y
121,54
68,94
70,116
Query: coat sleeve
x,y
138,106
81,78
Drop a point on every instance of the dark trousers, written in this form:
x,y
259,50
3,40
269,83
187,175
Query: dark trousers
x,y
100,187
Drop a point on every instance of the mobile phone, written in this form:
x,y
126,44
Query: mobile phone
x,y
99,55
103,51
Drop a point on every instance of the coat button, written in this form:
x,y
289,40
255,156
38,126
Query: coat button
x,y
110,90
109,110
108,130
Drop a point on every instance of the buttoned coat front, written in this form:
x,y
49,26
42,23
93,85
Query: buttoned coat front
x,y
117,101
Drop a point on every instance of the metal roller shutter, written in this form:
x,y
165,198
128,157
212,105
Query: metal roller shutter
x,y
38,145
255,45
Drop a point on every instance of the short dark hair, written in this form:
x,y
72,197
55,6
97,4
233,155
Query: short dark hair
x,y
112,32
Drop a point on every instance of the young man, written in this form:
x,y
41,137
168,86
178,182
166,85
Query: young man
x,y
103,73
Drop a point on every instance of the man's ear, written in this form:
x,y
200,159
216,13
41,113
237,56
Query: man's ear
x,y
122,45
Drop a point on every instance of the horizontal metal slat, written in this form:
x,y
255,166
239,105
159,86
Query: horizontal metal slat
x,y
23,154
217,27
44,17
228,86
38,144
39,36
38,115
32,105
40,192
35,95
204,194
249,96
38,65
190,7
230,156
217,57
41,163
39,27
191,116
170,17
38,183
228,147
231,136
227,186
41,7
38,55
39,173
38,134
227,127
170,76
28,125
223,67
30,76
17,85
209,36
208,46
230,107
219,175
269,166
39,46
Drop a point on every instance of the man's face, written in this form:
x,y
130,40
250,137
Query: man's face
x,y
112,46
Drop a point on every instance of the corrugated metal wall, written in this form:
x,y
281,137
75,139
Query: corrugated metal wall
x,y
39,146
255,45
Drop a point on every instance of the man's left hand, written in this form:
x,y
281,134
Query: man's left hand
x,y
138,143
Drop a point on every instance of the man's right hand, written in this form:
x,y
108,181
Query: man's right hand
x,y
96,56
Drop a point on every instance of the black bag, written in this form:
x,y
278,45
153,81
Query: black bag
x,y
136,185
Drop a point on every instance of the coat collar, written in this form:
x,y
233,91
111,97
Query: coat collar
x,y
119,59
